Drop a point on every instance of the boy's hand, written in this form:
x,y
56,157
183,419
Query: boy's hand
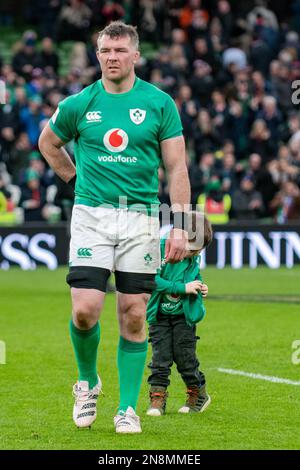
x,y
193,287
204,290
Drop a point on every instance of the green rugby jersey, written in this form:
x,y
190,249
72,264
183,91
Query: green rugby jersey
x,y
171,304
117,141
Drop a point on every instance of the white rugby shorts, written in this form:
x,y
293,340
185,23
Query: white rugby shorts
x,y
114,239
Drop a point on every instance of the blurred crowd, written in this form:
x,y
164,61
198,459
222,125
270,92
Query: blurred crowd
x,y
231,67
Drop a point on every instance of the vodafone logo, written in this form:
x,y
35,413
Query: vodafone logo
x,y
115,140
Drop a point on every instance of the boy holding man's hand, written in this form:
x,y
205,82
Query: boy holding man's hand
x,y
172,312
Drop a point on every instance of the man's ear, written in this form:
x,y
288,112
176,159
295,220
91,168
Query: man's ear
x,y
137,55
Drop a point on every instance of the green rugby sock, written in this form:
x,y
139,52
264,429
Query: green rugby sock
x,y
85,343
131,365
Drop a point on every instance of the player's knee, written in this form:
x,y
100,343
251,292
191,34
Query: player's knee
x,y
133,313
134,316
85,315
135,322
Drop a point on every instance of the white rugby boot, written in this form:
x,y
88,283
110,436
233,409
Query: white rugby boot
x,y
85,406
127,423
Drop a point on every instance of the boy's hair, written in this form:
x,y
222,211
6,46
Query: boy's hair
x,y
117,29
200,231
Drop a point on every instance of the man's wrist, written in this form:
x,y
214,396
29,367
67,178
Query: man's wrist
x,y
72,181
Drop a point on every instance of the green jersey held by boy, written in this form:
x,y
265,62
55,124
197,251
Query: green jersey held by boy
x,y
170,296
173,310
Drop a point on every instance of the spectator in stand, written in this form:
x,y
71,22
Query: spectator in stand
x,y
179,37
286,203
203,52
200,174
27,58
281,82
286,165
202,82
295,10
259,88
199,22
205,136
260,141
31,119
74,22
170,75
112,11
157,79
260,55
226,19
80,64
9,128
49,58
37,164
215,203
33,198
272,117
46,13
7,213
237,123
20,97
179,60
19,157
234,56
93,62
229,178
262,179
247,203
188,108
217,36
264,22
151,15
218,113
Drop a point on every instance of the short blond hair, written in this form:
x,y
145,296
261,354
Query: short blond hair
x,y
117,29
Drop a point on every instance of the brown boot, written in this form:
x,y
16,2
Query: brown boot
x,y
197,400
158,399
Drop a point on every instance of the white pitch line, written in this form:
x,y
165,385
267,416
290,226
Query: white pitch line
x,y
268,378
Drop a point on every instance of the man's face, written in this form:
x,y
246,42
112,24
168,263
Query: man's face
x,y
117,57
247,185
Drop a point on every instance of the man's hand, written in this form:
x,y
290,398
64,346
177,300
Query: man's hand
x,y
193,287
204,290
176,246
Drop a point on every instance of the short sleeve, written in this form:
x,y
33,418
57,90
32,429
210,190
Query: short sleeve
x,y
171,123
63,121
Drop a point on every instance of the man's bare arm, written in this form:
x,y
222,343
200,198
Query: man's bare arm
x,y
173,155
58,158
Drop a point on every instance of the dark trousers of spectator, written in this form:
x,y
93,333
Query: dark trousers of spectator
x,y
173,340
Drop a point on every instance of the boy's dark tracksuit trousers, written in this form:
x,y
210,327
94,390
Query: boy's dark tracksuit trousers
x,y
173,340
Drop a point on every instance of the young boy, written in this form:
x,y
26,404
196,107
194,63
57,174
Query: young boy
x,y
173,311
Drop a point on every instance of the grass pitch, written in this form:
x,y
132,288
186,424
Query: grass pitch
x,y
253,317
